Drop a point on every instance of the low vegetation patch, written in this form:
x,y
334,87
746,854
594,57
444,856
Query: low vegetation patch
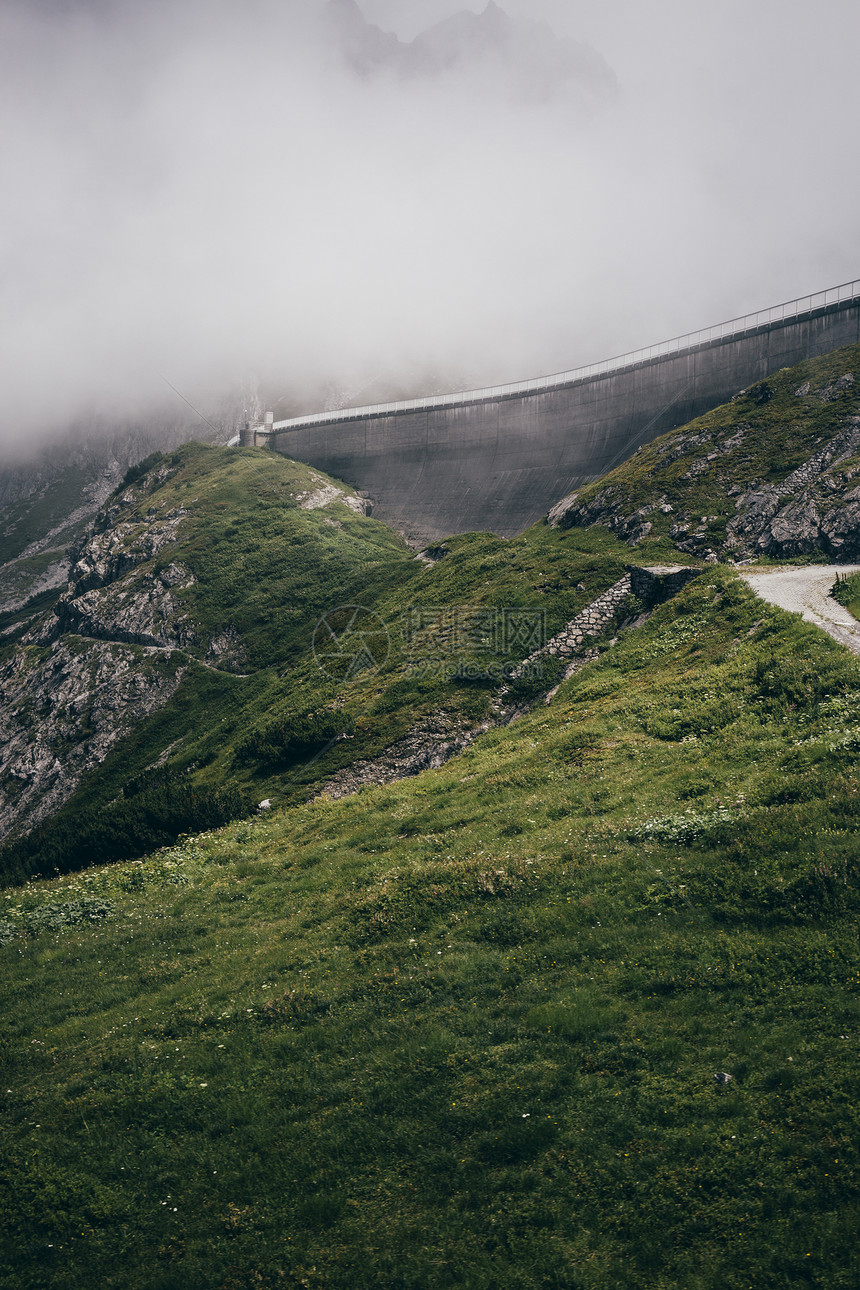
x,y
847,591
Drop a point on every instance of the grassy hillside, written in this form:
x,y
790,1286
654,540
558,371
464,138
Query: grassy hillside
x,y
266,570
263,570
463,1031
263,566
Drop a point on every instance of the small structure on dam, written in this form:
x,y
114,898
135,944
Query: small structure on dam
x,y
497,459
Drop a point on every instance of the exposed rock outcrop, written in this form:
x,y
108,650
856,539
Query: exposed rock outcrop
x,y
76,686
426,746
604,509
832,391
142,610
314,499
63,710
111,550
816,508
111,597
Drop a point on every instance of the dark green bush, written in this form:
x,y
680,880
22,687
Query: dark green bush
x,y
54,915
134,473
293,738
152,816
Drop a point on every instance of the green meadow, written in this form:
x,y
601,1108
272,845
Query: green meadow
x,y
462,1031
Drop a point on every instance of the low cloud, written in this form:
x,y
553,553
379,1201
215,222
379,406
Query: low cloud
x,y
340,201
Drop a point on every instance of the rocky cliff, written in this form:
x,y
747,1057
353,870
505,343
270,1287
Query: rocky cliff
x,y
74,688
63,709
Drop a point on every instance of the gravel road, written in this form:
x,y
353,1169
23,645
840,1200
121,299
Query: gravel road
x,y
805,590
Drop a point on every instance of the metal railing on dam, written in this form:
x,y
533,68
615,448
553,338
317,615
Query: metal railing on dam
x,y
748,324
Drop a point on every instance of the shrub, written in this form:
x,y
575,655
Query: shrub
x,y
847,592
152,816
292,738
134,473
54,915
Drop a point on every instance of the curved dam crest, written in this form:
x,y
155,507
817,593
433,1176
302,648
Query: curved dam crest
x,y
497,460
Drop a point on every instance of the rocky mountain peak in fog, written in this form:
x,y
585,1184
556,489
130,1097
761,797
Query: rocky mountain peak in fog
x,y
365,47
534,62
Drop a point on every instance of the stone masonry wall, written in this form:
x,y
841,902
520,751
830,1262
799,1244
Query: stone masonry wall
x,y
650,585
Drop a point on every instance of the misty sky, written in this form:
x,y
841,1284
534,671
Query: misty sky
x,y
199,190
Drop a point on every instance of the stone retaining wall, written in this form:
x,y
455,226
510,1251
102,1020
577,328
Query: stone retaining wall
x,y
650,585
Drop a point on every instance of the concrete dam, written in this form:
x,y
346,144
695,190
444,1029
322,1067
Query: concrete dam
x,y
497,459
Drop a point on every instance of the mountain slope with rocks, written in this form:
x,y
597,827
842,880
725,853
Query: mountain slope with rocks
x,y
773,474
569,999
209,613
186,647
578,1008
157,601
49,499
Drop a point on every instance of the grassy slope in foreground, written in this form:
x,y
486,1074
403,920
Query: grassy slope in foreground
x,y
462,1032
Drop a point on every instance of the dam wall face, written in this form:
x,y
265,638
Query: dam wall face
x,y
499,463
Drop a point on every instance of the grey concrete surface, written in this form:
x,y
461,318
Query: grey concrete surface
x,y
804,589
499,464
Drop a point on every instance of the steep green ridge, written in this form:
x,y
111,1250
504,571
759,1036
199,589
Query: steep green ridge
x,y
463,1031
266,570
263,569
262,565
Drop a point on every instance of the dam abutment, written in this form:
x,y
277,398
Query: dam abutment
x,y
497,460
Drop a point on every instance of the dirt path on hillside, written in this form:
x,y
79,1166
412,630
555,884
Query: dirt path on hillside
x,y
805,590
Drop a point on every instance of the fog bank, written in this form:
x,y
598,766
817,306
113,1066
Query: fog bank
x,y
334,199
